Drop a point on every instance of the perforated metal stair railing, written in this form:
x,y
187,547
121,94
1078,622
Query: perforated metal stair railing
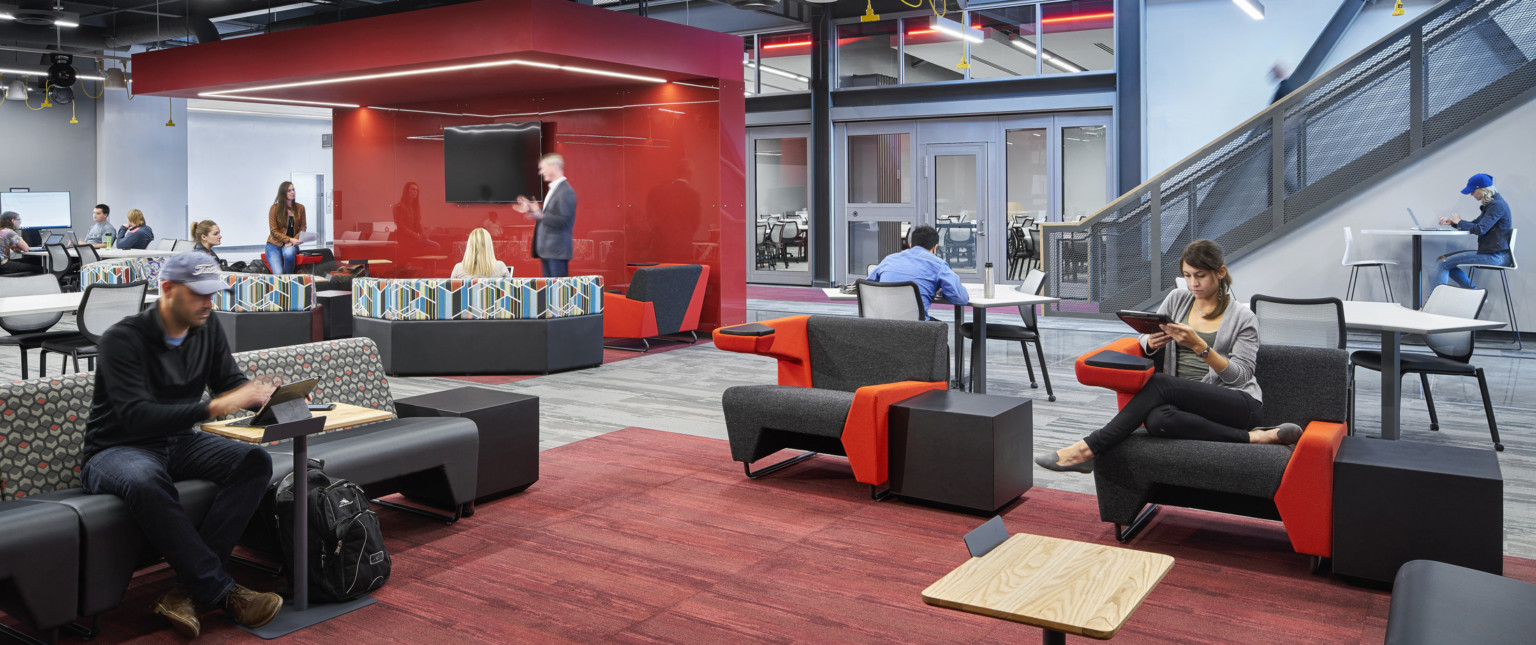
x,y
1444,74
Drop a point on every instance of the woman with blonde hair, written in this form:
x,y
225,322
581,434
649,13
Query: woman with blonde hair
x,y
205,236
137,234
480,259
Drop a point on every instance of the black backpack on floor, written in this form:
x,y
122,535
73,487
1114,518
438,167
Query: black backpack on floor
x,y
347,558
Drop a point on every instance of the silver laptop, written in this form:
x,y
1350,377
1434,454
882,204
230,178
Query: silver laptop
x,y
1416,226
54,238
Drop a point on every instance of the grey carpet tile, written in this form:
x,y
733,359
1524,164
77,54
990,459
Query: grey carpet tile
x,y
679,391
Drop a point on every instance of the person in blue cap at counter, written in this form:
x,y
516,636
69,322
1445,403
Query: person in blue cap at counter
x,y
1493,227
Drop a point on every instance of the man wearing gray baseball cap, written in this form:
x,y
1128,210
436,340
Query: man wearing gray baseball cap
x,y
152,371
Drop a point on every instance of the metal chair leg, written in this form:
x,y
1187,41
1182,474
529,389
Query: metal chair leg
x,y
1349,293
1509,305
1387,282
1429,400
754,474
1028,364
1493,427
1044,371
1349,403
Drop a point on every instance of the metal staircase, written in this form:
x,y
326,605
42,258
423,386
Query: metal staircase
x,y
1442,75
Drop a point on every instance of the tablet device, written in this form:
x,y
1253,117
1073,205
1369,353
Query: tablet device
x,y
286,404
1145,322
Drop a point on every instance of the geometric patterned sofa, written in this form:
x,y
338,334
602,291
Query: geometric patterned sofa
x,y
263,311
42,433
481,325
122,271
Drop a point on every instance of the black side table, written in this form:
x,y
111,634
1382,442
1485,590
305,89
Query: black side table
x,y
961,449
335,313
1395,501
509,433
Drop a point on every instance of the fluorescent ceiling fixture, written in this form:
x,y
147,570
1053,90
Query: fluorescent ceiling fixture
x,y
672,111
294,101
6,16
255,113
44,73
1253,8
430,70
262,12
67,24
779,72
1056,62
707,87
955,30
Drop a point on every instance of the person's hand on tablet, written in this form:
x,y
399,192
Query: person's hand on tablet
x,y
1184,335
1158,340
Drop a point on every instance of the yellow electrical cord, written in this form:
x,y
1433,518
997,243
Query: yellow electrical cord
x,y
72,113
88,94
45,100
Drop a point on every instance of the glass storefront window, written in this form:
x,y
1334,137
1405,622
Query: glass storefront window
x,y
784,62
870,241
1010,46
877,169
782,179
1078,36
1029,178
931,56
867,54
1084,171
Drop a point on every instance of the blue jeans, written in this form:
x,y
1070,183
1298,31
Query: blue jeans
x,y
555,268
288,255
143,478
1450,268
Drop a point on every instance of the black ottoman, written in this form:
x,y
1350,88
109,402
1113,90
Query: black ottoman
x,y
1435,603
1396,501
248,331
971,451
509,432
335,313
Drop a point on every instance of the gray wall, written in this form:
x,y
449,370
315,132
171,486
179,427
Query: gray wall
x,y
142,164
1306,263
45,152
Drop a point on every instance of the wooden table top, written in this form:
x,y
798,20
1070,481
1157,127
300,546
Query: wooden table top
x,y
345,415
1068,586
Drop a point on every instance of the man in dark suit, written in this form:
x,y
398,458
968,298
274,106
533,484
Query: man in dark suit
x,y
556,218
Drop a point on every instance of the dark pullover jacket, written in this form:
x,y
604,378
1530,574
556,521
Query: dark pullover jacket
x,y
147,391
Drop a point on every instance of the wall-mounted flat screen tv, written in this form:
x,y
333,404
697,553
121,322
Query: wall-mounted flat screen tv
x,y
38,209
492,163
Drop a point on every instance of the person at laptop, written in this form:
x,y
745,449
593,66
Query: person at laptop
x,y
11,242
1493,227
1206,389
140,438
919,264
102,229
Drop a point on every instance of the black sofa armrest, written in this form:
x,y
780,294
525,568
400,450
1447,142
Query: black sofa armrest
x,y
749,329
1111,359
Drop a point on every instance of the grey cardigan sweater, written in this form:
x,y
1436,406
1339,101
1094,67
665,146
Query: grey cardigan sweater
x,y
1237,339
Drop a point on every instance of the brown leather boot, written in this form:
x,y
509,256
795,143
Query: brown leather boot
x,y
178,608
251,608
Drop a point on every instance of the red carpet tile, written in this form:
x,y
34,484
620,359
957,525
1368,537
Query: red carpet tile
x,y
609,356
641,536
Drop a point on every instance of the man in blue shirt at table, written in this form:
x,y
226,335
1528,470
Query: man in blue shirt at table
x,y
1493,227
918,264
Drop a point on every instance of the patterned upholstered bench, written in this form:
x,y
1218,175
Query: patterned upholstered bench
x,y
263,311
481,326
122,271
42,422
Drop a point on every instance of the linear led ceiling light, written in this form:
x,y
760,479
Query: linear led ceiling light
x,y
955,30
779,72
1084,16
261,12
1055,61
43,73
1253,8
239,92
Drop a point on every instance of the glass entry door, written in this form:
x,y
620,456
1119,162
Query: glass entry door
x,y
956,180
778,189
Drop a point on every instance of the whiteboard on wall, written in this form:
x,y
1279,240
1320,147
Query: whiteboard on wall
x,y
38,210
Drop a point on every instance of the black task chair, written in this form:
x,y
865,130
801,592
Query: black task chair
x,y
890,300
1305,322
1025,334
101,306
88,254
1453,352
63,267
30,331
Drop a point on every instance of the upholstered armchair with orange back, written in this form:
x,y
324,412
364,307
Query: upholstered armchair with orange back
x,y
662,300
1307,386
837,379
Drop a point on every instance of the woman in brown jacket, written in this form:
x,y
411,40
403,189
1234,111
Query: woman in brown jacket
x,y
286,222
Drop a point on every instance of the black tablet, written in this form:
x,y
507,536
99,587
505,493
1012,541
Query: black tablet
x,y
1145,322
282,406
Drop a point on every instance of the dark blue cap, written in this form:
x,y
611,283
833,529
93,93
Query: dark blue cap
x,y
1477,181
196,269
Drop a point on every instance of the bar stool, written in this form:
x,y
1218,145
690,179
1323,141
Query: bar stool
x,y
1356,265
1509,302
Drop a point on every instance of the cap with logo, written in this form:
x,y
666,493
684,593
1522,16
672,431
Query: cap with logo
x,y
199,271
1477,181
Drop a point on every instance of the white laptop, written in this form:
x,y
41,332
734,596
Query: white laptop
x,y
1416,226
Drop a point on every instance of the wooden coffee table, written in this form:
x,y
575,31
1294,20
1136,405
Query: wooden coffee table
x,y
1063,586
345,415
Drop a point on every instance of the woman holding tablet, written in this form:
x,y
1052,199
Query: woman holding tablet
x,y
1206,389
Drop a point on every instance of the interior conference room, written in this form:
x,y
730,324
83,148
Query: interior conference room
x,y
790,321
